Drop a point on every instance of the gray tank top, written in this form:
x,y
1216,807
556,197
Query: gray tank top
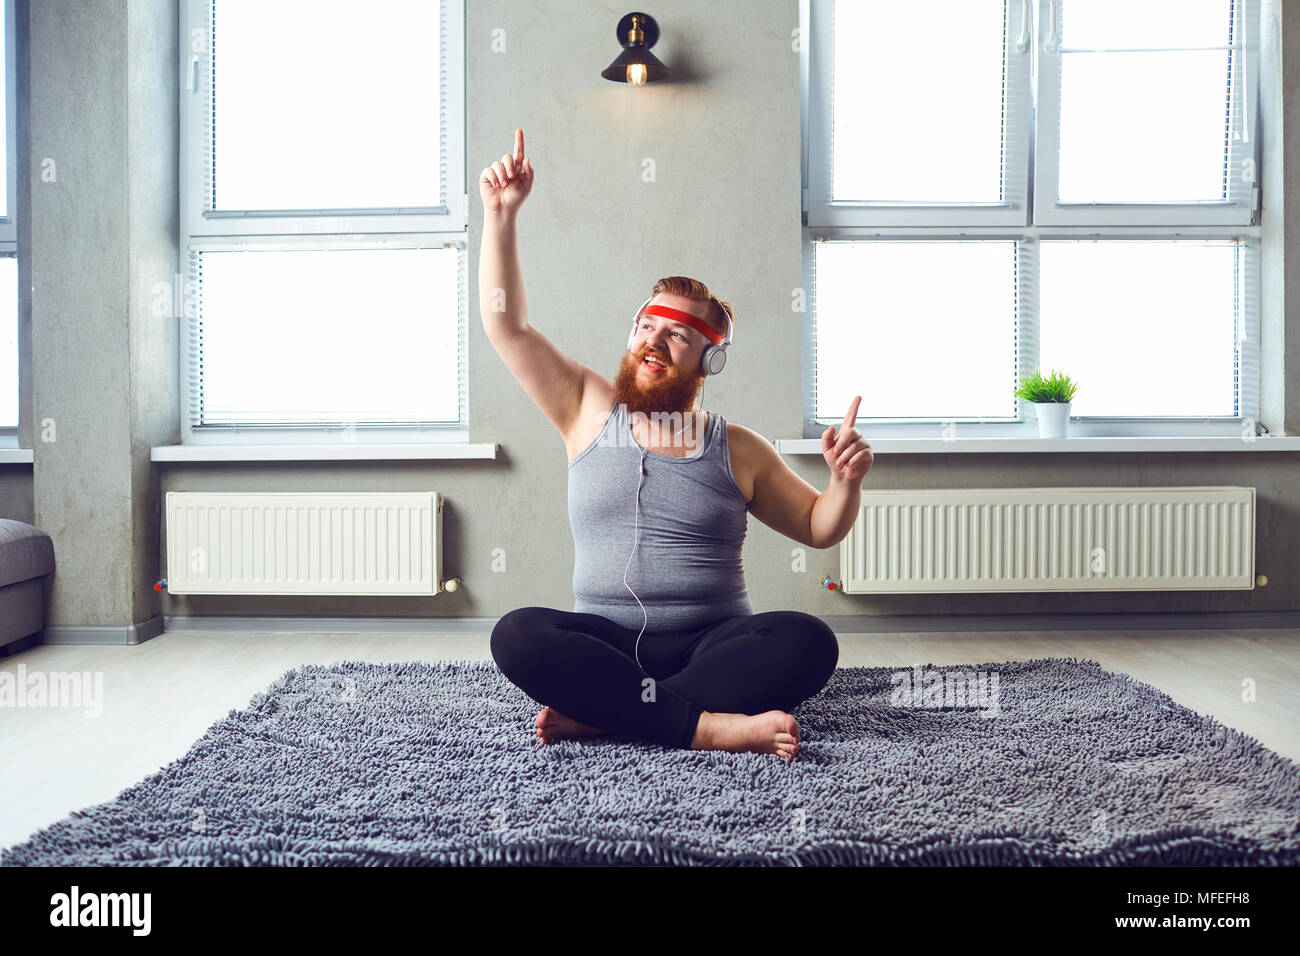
x,y
686,568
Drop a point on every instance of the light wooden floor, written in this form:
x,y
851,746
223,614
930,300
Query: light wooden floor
x,y
160,696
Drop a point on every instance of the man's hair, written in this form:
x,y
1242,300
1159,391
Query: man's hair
x,y
697,291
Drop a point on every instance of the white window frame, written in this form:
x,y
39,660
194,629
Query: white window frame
x,y
824,210
825,223
9,221
201,230
1243,198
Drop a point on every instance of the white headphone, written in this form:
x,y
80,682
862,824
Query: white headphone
x,y
714,357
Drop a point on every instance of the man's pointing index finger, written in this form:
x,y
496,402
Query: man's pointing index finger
x,y
852,415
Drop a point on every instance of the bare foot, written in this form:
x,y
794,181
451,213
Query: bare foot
x,y
774,732
553,725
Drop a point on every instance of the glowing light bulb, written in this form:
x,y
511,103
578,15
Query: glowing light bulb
x,y
636,74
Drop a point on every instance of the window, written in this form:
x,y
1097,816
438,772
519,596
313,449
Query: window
x,y
8,237
994,186
323,208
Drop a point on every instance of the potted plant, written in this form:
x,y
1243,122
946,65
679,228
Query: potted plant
x,y
1051,396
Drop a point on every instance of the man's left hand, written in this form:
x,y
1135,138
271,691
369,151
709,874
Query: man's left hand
x,y
848,455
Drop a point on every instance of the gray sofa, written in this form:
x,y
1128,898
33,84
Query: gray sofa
x,y
26,558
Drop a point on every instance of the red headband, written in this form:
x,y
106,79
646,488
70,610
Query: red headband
x,y
694,322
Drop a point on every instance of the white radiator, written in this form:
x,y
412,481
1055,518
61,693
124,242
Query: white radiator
x,y
304,543
1051,539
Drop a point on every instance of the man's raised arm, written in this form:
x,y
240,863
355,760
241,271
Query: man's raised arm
x,y
553,380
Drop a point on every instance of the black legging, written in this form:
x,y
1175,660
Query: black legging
x,y
583,666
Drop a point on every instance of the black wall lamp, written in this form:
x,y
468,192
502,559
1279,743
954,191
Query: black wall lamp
x,y
638,32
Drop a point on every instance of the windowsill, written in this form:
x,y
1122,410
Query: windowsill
x,y
786,446
926,446
337,451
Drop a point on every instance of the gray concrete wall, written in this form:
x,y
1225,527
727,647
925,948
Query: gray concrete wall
x,y
100,209
81,360
723,207
152,145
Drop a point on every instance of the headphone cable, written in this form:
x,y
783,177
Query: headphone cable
x,y
636,533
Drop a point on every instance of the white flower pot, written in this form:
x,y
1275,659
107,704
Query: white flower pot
x,y
1053,418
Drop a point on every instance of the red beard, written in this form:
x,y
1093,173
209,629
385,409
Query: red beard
x,y
671,390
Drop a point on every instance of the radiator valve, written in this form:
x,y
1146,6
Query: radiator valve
x,y
451,584
1261,580
160,585
829,584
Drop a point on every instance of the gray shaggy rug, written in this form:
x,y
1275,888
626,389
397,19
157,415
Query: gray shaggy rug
x,y
437,763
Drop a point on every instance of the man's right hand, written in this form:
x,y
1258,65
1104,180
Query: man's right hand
x,y
505,184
